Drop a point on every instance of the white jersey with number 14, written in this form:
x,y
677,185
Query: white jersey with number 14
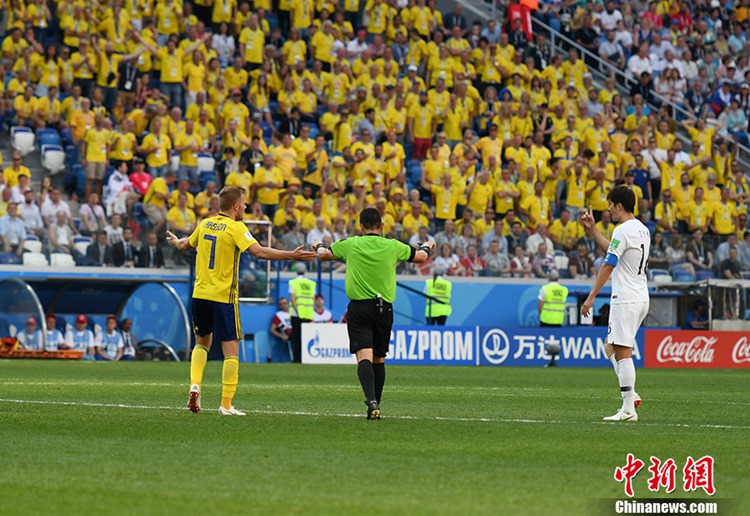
x,y
630,244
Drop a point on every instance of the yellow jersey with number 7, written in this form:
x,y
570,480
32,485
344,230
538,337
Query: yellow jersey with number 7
x,y
219,240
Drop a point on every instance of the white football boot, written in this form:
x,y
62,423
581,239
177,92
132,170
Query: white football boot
x,y
231,412
623,415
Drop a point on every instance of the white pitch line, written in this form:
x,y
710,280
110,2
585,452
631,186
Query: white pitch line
x,y
414,418
528,392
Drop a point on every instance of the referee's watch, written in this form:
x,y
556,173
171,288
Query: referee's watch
x,y
318,246
425,248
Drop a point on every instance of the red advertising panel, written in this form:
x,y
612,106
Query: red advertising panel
x,y
697,349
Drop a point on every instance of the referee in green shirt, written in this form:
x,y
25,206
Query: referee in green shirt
x,y
371,288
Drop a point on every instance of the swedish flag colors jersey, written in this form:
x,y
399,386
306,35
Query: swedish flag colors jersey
x,y
219,241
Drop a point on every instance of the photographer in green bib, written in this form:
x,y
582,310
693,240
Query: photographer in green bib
x,y
436,312
551,301
302,297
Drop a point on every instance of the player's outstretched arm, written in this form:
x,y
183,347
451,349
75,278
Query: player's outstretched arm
x,y
267,253
589,224
604,273
183,244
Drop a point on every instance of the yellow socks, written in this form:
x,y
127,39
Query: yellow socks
x,y
229,377
197,364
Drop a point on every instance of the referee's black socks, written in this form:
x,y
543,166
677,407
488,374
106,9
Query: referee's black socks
x,y
379,370
367,380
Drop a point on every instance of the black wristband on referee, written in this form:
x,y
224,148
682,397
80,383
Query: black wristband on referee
x,y
425,248
319,245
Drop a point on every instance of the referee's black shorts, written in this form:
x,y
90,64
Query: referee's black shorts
x,y
221,319
368,328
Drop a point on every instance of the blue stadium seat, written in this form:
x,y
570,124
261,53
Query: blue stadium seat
x,y
266,128
654,273
704,275
80,174
71,156
107,173
141,218
205,177
273,107
67,137
9,259
415,172
564,273
47,137
683,277
651,225
273,22
314,131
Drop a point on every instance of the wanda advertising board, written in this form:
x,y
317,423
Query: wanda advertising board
x,y
697,349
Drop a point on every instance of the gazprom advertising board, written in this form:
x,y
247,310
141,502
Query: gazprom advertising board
x,y
468,345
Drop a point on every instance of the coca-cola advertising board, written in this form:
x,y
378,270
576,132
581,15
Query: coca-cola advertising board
x,y
697,349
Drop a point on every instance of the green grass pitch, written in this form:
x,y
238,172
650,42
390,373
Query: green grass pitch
x,y
94,438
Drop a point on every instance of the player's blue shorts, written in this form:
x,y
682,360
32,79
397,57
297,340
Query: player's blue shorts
x,y
221,319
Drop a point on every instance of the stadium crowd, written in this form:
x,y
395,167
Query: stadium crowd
x,y
477,136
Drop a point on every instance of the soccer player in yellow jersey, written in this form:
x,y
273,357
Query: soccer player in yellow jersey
x,y
219,240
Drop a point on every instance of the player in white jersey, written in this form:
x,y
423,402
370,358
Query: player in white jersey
x,y
627,256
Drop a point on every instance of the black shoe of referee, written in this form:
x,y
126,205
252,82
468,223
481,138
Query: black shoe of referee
x,y
373,410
